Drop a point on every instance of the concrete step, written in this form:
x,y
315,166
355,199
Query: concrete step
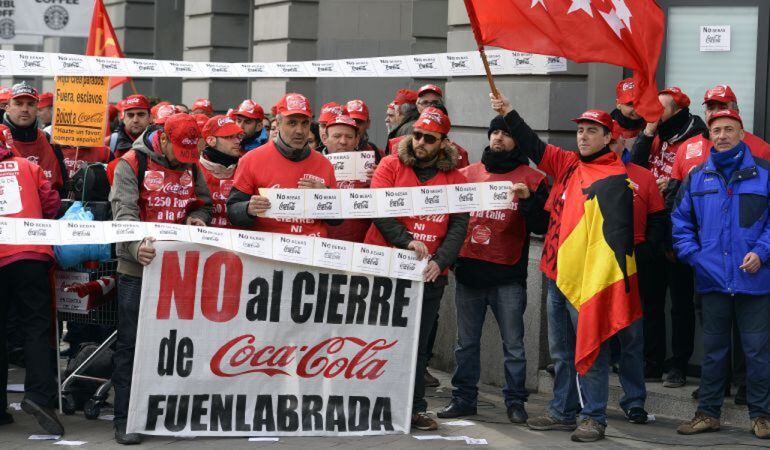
x,y
672,403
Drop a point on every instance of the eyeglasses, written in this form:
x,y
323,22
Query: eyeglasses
x,y
428,138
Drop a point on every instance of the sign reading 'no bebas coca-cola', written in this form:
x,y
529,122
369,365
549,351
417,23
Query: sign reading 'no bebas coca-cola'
x,y
233,345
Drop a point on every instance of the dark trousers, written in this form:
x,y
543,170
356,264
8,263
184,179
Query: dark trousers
x,y
129,294
681,286
751,313
652,276
431,301
25,284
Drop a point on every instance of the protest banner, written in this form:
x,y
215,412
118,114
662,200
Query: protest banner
x,y
80,110
233,345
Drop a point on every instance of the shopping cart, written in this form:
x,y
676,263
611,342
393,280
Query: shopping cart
x,y
96,310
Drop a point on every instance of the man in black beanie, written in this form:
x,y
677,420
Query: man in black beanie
x,y
492,271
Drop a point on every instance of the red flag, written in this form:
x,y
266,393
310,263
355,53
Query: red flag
x,y
102,40
626,33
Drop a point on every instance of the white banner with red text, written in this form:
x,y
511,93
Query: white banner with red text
x,y
433,65
231,345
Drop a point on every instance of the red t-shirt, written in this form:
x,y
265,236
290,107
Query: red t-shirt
x,y
266,167
647,199
696,150
220,190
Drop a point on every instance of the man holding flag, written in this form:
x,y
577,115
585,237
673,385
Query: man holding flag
x,y
589,261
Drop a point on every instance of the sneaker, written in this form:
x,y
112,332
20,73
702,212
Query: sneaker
x,y
5,418
740,395
517,413
674,378
701,423
760,426
46,417
546,423
637,415
423,422
430,380
588,431
123,438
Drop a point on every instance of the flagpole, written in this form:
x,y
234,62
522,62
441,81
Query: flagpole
x,y
477,35
133,86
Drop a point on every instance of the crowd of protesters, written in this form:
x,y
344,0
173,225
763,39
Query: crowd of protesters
x,y
693,195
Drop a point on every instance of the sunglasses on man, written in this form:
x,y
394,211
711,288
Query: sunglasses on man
x,y
428,138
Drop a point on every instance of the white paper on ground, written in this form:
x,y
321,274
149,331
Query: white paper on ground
x,y
15,388
459,423
264,439
43,437
15,406
472,441
71,443
428,437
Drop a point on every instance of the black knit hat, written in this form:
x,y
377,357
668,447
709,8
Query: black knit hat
x,y
498,123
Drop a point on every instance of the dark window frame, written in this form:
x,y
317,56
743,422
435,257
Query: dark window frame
x,y
761,116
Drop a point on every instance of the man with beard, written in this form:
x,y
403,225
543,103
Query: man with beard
x,y
656,149
249,117
425,159
134,119
492,272
218,161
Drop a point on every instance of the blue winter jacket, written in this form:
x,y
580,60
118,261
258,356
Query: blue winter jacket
x,y
257,140
716,222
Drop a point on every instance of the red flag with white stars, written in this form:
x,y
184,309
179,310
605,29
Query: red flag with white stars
x,y
626,33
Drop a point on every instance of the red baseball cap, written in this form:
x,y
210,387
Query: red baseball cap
x,y
182,130
154,109
204,104
342,119
680,98
404,96
249,109
357,109
434,120
730,113
293,103
136,101
329,111
721,93
45,100
430,88
625,91
163,113
221,126
5,95
201,120
596,116
23,90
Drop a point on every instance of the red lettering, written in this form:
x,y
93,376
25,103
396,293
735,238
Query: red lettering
x,y
174,286
231,291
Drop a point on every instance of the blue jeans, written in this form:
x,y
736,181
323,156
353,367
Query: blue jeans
x,y
594,385
751,313
632,366
507,303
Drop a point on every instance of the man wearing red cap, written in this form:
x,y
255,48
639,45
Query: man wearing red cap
x,y
656,149
585,306
249,117
405,113
24,271
134,119
492,272
29,141
45,111
429,95
721,228
202,106
359,112
286,162
328,113
5,97
462,154
630,122
425,159
342,136
157,181
218,161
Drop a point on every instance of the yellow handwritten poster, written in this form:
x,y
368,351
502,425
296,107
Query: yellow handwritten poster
x,y
80,110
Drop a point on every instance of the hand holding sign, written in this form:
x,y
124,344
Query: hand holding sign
x,y
420,249
258,205
146,251
310,183
195,222
520,190
431,272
